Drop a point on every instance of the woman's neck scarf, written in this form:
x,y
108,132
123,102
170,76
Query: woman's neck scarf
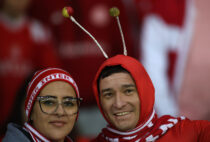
x,y
37,137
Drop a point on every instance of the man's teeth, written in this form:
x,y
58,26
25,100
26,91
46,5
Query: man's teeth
x,y
121,113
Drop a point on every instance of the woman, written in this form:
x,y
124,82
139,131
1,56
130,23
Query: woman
x,y
51,108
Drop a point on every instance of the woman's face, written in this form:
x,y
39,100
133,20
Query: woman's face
x,y
54,124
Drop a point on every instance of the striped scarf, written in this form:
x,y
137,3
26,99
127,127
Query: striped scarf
x,y
150,131
37,137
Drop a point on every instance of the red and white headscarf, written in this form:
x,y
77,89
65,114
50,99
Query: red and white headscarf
x,y
149,127
39,81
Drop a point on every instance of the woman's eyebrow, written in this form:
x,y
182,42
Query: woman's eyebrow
x,y
48,96
68,97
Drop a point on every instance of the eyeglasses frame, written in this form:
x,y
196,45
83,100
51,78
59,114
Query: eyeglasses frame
x,y
39,98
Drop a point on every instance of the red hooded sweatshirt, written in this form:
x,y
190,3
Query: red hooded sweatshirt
x,y
149,127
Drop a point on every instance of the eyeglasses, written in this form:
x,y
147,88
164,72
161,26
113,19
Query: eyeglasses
x,y
50,104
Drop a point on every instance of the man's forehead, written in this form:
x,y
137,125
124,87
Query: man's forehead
x,y
118,75
122,87
117,80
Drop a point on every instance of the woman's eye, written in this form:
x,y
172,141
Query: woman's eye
x,y
69,103
48,102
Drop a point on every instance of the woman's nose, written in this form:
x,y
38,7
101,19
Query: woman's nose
x,y
60,110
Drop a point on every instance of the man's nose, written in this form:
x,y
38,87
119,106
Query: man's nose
x,y
119,101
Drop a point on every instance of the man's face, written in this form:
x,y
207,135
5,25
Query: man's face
x,y
120,100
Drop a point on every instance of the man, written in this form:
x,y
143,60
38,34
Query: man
x,y
125,96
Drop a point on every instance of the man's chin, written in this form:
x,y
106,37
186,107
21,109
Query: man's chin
x,y
124,127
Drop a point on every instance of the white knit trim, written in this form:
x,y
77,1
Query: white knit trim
x,y
41,74
36,133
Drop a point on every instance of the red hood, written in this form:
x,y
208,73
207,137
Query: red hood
x,y
143,83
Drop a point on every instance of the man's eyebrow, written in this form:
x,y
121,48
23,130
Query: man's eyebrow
x,y
128,85
106,90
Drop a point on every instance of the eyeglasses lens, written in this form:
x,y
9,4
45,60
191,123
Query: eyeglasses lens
x,y
50,105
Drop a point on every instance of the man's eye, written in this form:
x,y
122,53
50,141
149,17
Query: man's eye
x,y
129,91
108,95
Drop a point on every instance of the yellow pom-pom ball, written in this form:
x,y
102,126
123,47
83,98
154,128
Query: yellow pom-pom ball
x,y
114,11
67,12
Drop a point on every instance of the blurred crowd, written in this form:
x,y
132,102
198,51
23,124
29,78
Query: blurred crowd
x,y
170,38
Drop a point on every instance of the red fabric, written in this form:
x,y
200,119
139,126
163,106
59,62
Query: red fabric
x,y
20,54
172,11
188,131
83,139
41,79
78,52
165,128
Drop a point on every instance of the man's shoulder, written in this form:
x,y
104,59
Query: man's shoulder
x,y
188,130
197,124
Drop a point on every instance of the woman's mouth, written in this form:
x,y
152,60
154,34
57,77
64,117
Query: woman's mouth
x,y
58,123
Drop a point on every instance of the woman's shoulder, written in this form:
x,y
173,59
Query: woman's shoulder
x,y
16,133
